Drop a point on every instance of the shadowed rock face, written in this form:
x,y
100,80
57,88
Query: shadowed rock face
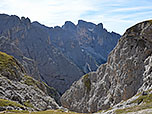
x,y
60,55
127,71
86,44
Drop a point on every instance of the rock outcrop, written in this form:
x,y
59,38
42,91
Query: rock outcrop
x,y
127,71
60,55
138,104
21,92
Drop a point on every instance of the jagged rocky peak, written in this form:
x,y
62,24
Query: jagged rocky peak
x,y
12,23
115,34
26,20
12,20
100,26
36,23
7,21
99,29
127,71
41,26
57,27
69,26
5,16
85,24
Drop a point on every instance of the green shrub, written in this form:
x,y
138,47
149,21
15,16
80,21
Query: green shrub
x,y
87,82
28,104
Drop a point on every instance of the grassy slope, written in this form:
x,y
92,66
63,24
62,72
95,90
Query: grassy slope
x,y
44,112
9,65
145,102
87,82
4,102
6,61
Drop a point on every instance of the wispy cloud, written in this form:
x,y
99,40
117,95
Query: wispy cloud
x,y
115,15
132,9
48,11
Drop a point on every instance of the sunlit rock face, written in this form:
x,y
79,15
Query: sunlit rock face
x,y
127,71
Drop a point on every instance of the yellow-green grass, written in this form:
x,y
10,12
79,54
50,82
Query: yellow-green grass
x,y
41,85
31,82
44,112
87,82
134,109
144,98
145,102
5,58
8,64
16,111
4,102
5,61
149,21
28,104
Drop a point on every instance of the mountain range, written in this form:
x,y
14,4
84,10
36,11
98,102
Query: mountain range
x,y
60,55
74,69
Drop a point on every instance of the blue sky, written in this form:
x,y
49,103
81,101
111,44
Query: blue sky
x,y
116,15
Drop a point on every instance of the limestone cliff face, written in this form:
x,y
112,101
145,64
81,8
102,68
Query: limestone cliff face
x,y
127,71
32,47
21,92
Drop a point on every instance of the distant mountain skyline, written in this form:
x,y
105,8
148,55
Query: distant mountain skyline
x,y
60,55
115,15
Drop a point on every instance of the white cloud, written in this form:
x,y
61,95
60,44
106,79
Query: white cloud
x,y
113,14
131,9
47,11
